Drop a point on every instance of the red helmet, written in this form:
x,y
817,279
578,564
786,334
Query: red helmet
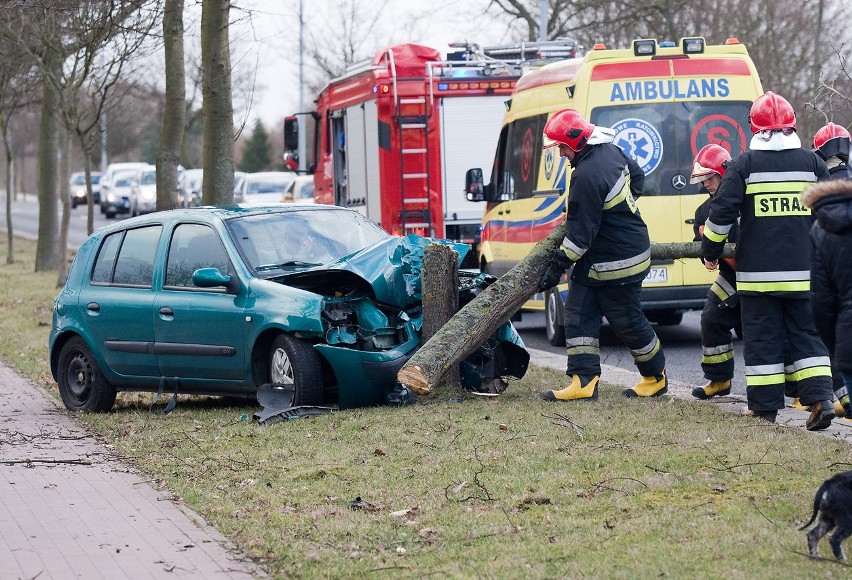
x,y
771,111
832,141
567,127
711,159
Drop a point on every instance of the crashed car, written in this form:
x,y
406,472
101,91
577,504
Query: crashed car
x,y
226,300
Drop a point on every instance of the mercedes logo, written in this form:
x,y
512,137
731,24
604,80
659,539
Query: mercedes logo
x,y
679,181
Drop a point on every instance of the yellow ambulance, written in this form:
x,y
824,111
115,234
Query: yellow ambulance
x,y
665,101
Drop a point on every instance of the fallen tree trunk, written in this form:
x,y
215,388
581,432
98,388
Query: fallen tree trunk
x,y
483,315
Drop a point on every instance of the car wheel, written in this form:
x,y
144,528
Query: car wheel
x,y
295,362
665,317
81,384
553,324
110,214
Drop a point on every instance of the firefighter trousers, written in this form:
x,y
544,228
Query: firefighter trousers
x,y
584,308
717,342
778,328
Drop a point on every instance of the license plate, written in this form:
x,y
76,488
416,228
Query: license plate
x,y
657,276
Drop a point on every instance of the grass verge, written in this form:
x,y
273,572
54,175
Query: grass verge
x,y
506,488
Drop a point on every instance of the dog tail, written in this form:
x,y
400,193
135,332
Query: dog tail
x,y
817,500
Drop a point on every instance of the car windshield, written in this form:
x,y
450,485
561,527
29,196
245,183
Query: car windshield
x,y
268,184
95,178
273,243
80,179
148,178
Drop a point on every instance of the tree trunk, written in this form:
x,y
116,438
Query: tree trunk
x,y
171,138
218,181
440,291
10,189
48,226
483,315
64,172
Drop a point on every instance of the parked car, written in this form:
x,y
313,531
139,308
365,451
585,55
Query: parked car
x,y
238,177
224,300
264,187
189,188
77,188
113,203
143,196
301,190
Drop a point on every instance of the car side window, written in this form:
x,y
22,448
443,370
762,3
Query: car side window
x,y
127,258
194,246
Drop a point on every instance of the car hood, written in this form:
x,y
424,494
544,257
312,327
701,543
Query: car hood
x,y
388,270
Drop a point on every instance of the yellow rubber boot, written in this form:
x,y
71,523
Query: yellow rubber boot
x,y
712,389
796,404
839,411
574,391
649,387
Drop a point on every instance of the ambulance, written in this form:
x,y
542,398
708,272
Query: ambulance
x,y
665,101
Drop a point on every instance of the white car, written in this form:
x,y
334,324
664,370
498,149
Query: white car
x,y
189,188
302,190
264,187
120,192
143,196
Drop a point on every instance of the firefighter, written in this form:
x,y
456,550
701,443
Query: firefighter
x,y
762,188
832,144
721,312
608,246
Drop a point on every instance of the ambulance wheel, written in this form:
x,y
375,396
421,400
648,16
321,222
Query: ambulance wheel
x,y
554,325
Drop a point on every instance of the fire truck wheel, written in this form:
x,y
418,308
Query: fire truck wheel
x,y
554,325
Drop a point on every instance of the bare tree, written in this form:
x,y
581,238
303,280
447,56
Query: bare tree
x,y
171,138
218,181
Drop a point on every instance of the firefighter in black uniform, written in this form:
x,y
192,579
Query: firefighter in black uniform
x,y
608,246
763,187
721,312
831,238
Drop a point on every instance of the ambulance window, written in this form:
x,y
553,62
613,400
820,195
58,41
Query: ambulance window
x,y
519,156
663,138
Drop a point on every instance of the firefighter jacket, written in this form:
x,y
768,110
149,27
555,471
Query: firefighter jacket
x,y
606,237
831,267
764,188
837,169
723,290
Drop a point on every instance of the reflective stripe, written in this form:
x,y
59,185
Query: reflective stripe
x,y
715,232
621,268
722,288
717,354
647,352
808,373
711,350
841,391
716,359
575,350
583,341
583,345
815,366
572,250
618,193
758,375
774,286
770,176
783,187
782,276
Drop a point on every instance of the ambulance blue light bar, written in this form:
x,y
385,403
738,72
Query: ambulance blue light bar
x,y
646,47
693,45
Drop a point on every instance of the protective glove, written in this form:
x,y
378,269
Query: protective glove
x,y
559,264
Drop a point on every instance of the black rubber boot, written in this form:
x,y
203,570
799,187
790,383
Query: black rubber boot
x,y
822,412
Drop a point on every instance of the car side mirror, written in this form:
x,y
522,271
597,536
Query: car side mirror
x,y
474,185
210,278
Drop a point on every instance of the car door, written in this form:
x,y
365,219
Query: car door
x,y
199,331
118,298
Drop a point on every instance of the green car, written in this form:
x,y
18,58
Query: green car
x,y
225,300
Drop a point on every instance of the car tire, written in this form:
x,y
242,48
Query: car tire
x,y
665,317
81,384
554,325
294,361
110,214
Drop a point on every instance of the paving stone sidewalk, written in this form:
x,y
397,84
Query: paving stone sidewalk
x,y
69,508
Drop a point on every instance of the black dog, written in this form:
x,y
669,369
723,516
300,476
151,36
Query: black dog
x,y
833,502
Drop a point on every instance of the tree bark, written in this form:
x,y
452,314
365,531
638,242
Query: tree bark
x,y
483,315
10,188
65,204
171,138
218,180
48,215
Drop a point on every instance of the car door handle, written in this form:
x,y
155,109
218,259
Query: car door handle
x,y
166,311
93,307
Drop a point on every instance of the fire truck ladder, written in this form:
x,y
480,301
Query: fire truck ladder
x,y
412,118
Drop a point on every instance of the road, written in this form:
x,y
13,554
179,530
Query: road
x,y
681,343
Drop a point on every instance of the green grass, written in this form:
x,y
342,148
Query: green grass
x,y
511,487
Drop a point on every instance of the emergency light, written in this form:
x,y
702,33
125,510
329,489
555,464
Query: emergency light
x,y
644,47
693,45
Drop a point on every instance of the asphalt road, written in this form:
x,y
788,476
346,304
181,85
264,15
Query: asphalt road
x,y
25,220
681,344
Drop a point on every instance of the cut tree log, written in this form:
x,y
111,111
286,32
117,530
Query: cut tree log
x,y
483,315
440,291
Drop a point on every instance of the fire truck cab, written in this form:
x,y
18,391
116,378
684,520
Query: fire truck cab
x,y
393,135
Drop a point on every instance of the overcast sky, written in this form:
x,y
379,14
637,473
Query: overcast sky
x,y
268,36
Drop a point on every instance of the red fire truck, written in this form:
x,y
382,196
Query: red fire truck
x,y
393,136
